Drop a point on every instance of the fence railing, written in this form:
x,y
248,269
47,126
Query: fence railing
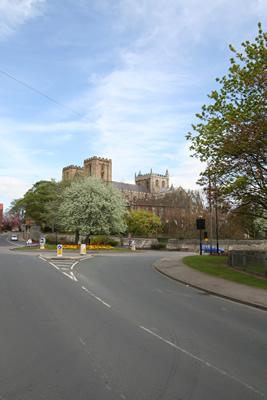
x,y
254,262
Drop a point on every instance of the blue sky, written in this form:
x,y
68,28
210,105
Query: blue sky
x,y
131,75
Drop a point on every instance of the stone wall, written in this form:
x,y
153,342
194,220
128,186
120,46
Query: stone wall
x,y
226,244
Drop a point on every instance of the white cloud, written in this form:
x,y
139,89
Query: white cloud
x,y
11,188
14,13
140,108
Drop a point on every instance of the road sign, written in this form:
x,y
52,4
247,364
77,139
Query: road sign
x,y
200,222
83,249
59,250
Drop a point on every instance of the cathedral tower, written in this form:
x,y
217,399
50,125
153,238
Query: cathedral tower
x,y
98,167
70,172
153,183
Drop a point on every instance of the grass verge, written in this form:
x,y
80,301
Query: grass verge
x,y
217,266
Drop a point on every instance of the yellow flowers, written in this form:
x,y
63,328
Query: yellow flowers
x,y
88,247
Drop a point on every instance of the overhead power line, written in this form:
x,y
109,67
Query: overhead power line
x,y
39,92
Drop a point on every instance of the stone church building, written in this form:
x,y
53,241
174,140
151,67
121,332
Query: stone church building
x,y
147,186
176,207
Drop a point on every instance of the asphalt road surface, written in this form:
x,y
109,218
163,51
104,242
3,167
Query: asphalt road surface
x,y
113,328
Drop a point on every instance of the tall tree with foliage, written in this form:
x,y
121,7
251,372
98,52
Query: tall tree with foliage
x,y
92,207
34,203
231,136
143,223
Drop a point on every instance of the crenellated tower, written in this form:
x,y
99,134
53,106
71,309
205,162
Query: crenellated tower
x,y
71,171
153,183
98,167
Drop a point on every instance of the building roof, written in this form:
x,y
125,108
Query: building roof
x,y
129,186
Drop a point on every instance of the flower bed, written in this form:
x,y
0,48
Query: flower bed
x,y
88,247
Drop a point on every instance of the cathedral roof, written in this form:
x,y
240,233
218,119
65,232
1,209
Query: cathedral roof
x,y
129,186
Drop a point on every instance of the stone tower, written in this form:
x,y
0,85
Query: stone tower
x,y
98,167
71,171
153,183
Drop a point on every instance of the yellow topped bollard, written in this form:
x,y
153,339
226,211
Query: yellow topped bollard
x,y
59,250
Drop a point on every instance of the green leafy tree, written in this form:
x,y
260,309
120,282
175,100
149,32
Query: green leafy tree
x,y
92,207
143,223
51,208
34,203
231,136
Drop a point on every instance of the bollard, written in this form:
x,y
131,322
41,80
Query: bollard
x,y
83,249
59,250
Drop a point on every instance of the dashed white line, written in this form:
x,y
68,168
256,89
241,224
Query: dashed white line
x,y
96,297
206,363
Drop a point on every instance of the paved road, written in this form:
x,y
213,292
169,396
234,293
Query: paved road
x,y
122,331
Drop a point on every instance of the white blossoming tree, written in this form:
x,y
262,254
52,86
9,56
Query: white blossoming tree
x,y
92,207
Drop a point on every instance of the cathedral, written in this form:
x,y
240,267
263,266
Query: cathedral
x,y
147,186
152,192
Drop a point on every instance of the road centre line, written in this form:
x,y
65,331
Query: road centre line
x,y
206,363
96,297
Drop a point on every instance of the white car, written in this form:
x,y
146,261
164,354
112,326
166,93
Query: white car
x,y
14,238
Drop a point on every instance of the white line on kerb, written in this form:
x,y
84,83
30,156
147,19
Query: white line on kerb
x,y
96,297
206,363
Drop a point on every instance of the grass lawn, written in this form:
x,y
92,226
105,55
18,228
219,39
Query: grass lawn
x,y
217,266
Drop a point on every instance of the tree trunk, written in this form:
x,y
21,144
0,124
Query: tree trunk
x,y
77,236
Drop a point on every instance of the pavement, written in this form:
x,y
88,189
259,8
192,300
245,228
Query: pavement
x,y
174,268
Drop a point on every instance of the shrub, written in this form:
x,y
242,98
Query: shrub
x,y
102,239
158,246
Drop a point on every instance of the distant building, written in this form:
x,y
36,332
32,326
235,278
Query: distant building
x,y
150,192
146,185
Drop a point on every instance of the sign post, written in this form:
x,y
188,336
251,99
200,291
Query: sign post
x,y
42,243
200,222
59,250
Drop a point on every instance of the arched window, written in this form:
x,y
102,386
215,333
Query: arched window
x,y
157,182
163,184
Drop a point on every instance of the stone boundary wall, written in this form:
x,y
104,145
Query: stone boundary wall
x,y
226,244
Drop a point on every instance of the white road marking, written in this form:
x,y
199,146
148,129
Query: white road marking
x,y
82,342
206,363
71,276
96,297
54,265
74,265
74,277
62,266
